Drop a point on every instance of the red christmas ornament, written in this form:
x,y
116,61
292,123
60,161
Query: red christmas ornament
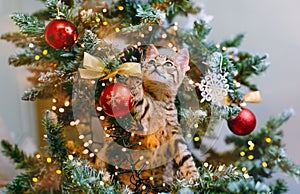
x,y
60,34
243,124
116,100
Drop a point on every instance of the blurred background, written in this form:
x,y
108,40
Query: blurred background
x,y
271,26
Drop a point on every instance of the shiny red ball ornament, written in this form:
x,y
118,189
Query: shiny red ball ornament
x,y
116,100
60,34
243,124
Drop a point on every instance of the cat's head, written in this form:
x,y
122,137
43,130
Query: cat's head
x,y
164,74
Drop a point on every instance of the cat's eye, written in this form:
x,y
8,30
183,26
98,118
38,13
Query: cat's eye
x,y
151,62
168,64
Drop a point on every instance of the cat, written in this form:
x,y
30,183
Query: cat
x,y
156,120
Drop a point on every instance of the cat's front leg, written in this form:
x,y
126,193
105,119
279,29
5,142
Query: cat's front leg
x,y
183,158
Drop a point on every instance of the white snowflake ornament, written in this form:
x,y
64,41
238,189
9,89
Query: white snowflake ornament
x,y
214,87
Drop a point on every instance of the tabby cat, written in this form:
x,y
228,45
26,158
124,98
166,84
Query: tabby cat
x,y
155,114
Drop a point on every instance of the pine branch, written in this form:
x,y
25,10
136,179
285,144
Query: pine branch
x,y
20,184
55,137
28,24
235,42
17,156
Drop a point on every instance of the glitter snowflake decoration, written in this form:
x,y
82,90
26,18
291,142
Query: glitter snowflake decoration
x,y
113,99
214,87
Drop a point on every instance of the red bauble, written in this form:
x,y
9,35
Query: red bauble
x,y
116,100
243,124
60,34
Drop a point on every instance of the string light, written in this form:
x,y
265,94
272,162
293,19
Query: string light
x,y
265,164
92,155
218,45
98,20
244,169
196,138
242,154
45,136
45,52
101,183
96,150
54,108
236,173
105,23
103,84
37,57
251,148
81,137
31,45
38,156
99,108
104,10
34,179
49,160
189,135
164,36
71,157
61,110
54,100
221,168
86,151
268,140
58,172
117,29
205,164
67,103
150,28
250,157
120,7
144,187
102,118
86,144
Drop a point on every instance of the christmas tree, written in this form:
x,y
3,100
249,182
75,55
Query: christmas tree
x,y
90,59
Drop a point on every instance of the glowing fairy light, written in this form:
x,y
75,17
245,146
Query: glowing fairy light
x,y
37,57
242,154
49,160
92,155
45,52
34,179
250,157
71,157
268,140
67,103
205,164
58,172
54,108
265,164
81,137
120,8
86,151
61,110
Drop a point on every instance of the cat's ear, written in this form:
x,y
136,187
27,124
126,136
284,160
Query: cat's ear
x,y
182,59
151,53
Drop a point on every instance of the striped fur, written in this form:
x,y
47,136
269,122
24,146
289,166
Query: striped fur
x,y
156,115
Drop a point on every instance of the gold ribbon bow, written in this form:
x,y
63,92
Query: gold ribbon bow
x,y
94,68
